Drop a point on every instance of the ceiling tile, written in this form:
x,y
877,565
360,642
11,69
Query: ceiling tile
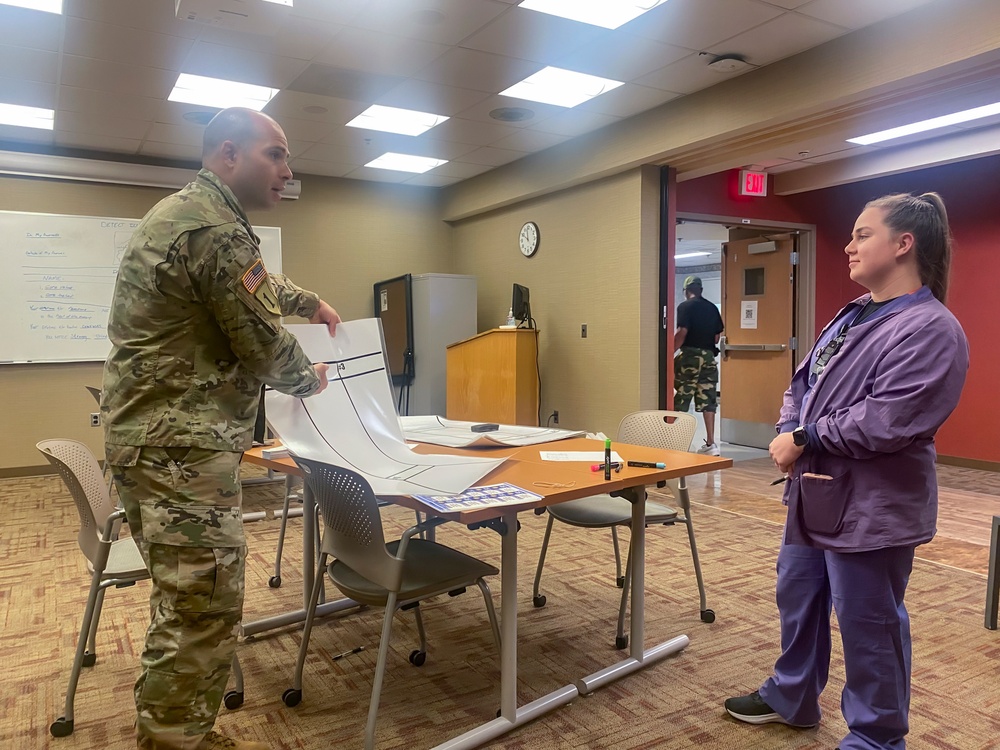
x,y
27,93
699,24
460,169
482,110
303,106
471,69
102,75
343,83
172,113
94,102
474,133
183,135
529,140
627,100
622,57
854,14
429,179
378,175
379,53
425,96
122,44
325,168
339,12
171,151
311,131
775,40
29,64
101,124
152,16
246,66
443,21
29,28
97,142
530,35
300,38
573,123
687,76
493,157
788,4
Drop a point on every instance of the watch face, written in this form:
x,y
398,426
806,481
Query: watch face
x,y
528,239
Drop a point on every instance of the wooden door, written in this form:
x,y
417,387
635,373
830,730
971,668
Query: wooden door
x,y
758,289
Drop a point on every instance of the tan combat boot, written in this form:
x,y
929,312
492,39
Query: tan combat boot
x,y
216,741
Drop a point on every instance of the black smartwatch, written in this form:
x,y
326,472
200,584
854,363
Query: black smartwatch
x,y
800,437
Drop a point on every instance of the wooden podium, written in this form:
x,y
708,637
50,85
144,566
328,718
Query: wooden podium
x,y
493,377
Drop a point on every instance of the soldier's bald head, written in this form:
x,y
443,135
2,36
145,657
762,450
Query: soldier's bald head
x,y
237,124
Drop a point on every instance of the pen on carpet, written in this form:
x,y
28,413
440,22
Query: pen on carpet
x,y
780,480
648,464
356,650
600,467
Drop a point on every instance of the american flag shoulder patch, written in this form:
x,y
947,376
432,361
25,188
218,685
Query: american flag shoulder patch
x,y
254,276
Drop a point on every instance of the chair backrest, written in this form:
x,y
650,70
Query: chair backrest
x,y
82,475
673,430
353,526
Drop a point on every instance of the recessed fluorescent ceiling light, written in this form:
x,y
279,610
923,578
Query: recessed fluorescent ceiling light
x,y
49,6
689,255
280,2
932,124
216,92
563,88
393,120
406,163
607,13
27,117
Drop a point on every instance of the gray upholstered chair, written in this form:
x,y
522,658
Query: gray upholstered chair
x,y
396,575
657,429
110,561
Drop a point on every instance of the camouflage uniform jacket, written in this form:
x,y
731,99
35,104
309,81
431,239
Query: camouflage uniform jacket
x,y
195,327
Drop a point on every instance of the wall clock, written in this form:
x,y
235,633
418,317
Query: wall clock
x,y
528,239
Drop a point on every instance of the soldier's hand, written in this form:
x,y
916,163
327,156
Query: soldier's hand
x,y
327,315
321,369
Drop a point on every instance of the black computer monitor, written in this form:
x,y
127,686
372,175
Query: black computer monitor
x,y
520,305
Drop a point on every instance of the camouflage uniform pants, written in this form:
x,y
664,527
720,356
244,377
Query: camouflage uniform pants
x,y
695,376
183,510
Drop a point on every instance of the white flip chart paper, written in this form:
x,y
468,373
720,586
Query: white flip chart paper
x,y
457,434
353,423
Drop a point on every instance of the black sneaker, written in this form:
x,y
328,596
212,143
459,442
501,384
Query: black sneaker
x,y
753,710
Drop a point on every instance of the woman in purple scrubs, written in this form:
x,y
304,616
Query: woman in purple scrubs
x,y
856,439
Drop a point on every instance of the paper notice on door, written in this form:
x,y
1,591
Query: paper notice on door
x,y
748,314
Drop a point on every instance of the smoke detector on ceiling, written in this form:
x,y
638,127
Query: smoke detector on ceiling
x,y
726,64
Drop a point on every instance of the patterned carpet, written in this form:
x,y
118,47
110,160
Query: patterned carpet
x,y
674,704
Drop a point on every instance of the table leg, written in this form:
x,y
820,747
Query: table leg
x,y
993,582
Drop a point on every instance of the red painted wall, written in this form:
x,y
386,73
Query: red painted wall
x,y
971,191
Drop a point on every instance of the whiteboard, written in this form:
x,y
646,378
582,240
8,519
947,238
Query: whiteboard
x,y
57,279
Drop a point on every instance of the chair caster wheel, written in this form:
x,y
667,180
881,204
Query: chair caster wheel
x,y
292,697
538,601
61,727
707,615
621,642
417,657
233,700
89,659
620,582
274,582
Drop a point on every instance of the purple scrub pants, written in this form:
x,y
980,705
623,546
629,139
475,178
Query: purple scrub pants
x,y
866,589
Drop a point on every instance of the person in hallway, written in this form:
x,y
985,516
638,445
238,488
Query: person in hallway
x,y
696,375
195,324
856,440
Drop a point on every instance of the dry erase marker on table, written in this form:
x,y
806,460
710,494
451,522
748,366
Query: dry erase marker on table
x,y
607,458
647,464
600,467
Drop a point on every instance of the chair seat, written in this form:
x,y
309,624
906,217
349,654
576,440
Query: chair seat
x,y
429,568
601,511
124,561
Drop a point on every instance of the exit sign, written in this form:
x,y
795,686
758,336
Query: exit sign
x,y
753,183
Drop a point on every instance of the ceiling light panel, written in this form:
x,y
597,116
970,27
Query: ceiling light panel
x,y
27,117
49,6
563,88
395,120
924,125
609,14
216,92
690,255
405,163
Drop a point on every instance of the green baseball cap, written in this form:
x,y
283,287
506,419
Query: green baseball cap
x,y
692,281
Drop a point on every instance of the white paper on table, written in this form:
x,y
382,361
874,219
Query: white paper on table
x,y
456,434
353,423
589,456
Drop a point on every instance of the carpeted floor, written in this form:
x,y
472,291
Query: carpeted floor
x,y
674,704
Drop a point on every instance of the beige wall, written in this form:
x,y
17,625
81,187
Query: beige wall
x,y
596,265
338,239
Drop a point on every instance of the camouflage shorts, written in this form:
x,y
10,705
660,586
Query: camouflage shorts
x,y
183,509
695,376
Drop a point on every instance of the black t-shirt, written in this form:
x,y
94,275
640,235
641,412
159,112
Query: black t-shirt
x,y
702,320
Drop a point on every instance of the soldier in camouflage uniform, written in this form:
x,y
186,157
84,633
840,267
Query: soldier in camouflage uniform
x,y
696,375
195,324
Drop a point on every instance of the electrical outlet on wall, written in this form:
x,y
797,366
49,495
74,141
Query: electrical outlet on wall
x,y
555,417
583,331
95,419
